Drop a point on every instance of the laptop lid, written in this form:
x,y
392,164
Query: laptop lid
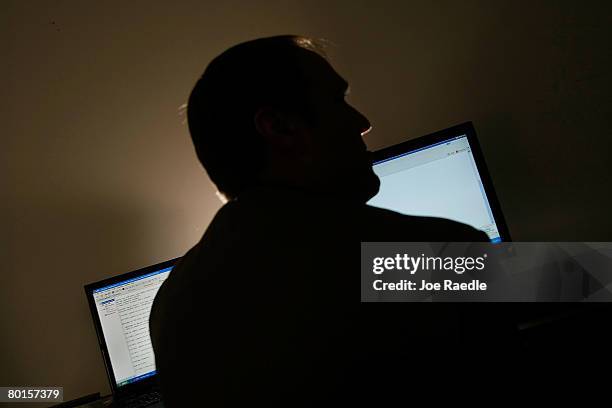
x,y
444,175
120,307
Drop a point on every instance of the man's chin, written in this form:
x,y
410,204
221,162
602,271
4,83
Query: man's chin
x,y
360,187
371,186
365,188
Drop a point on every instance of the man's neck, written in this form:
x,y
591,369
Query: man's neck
x,y
279,188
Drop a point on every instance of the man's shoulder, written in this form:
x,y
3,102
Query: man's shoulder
x,y
236,219
387,225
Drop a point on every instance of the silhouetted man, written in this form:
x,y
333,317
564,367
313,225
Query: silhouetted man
x,y
265,308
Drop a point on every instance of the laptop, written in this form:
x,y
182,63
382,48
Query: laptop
x,y
444,175
120,307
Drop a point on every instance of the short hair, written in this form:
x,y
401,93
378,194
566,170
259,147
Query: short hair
x,y
223,103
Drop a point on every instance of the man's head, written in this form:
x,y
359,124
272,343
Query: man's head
x,y
273,110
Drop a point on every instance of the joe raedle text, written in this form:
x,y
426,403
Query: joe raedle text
x,y
422,264
423,285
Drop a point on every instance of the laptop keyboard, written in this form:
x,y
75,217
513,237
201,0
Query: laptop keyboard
x,y
142,400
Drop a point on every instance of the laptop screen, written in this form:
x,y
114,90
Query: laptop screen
x,y
440,179
123,309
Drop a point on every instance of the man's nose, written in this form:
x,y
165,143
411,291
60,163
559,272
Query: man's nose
x,y
364,124
366,131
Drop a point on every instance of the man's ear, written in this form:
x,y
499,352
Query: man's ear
x,y
276,127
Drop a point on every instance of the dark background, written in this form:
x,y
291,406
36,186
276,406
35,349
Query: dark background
x,y
98,172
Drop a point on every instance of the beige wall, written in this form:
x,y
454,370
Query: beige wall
x,y
98,173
